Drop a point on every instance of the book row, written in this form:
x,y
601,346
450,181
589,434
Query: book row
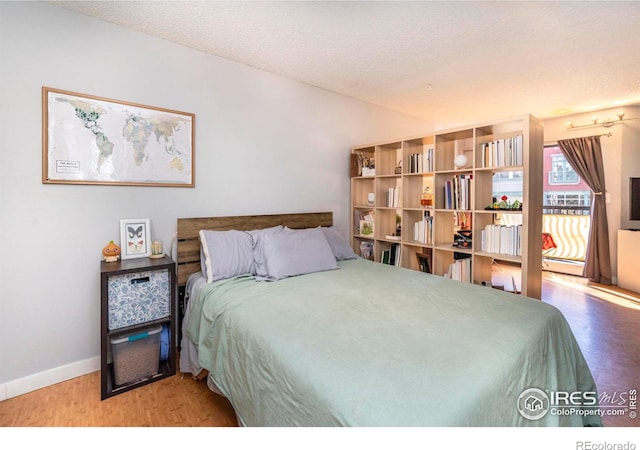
x,y
421,162
457,192
502,239
502,152
393,197
460,270
392,255
423,230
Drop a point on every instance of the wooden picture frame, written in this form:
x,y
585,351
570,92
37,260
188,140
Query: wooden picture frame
x,y
424,262
135,238
96,140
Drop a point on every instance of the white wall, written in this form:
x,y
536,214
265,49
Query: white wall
x,y
630,164
264,144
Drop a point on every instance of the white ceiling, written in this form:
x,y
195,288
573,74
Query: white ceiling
x,y
444,62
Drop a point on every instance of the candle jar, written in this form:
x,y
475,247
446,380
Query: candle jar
x,y
156,249
426,200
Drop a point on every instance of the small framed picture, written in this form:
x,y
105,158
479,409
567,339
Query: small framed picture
x,y
366,227
135,238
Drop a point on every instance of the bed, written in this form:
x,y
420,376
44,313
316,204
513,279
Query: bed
x,y
295,342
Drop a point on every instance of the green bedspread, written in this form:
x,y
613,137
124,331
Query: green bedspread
x,y
376,345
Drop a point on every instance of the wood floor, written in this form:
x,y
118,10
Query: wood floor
x,y
606,323
172,402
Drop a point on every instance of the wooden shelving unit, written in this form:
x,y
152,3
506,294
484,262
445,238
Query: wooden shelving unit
x,y
395,168
134,271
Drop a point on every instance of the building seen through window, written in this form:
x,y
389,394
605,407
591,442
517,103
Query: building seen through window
x,y
562,172
564,191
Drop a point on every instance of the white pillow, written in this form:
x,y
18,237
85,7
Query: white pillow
x,y
341,250
296,252
226,254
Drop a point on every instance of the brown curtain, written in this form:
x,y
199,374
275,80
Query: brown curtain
x,y
585,156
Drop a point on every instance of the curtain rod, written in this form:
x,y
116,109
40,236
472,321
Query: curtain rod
x,y
550,143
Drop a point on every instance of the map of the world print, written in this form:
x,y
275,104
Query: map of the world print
x,y
97,140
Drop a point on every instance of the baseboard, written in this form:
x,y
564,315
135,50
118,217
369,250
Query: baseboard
x,y
48,378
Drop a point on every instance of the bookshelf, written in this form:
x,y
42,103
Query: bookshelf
x,y
439,204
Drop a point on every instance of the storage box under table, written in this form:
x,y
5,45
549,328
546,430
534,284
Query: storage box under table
x,y
138,297
136,355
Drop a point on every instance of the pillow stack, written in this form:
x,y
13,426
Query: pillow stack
x,y
271,254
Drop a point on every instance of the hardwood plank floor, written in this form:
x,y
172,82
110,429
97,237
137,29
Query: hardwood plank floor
x,y
605,321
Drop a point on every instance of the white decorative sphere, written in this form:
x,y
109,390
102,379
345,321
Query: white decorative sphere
x,y
460,161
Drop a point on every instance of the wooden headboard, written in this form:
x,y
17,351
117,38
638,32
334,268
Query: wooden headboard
x,y
188,258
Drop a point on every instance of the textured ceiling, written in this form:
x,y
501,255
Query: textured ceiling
x,y
444,62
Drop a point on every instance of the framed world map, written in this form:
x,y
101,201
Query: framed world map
x,y
95,140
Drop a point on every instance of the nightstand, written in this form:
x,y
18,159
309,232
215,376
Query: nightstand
x,y
137,323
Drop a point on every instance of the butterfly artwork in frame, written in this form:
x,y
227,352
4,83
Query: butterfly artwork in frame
x,y
135,238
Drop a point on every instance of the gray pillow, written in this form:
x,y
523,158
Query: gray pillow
x,y
296,252
226,254
341,250
258,248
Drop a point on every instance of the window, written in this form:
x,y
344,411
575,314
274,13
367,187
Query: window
x,y
561,172
509,184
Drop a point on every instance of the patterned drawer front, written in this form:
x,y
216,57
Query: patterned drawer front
x,y
138,297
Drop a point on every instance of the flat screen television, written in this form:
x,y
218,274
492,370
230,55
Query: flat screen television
x,y
634,198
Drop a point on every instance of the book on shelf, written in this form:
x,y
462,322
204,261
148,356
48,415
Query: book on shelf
x,y
393,197
366,249
460,270
502,239
416,163
391,256
502,152
423,229
421,162
429,156
393,252
457,192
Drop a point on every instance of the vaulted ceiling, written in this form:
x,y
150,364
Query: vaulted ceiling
x,y
445,62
